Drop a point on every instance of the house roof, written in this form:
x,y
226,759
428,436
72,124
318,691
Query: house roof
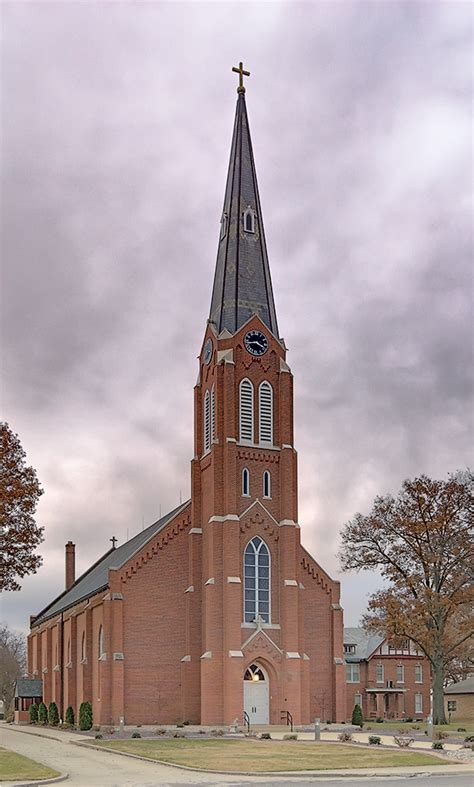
x,y
463,687
97,576
25,687
242,283
365,644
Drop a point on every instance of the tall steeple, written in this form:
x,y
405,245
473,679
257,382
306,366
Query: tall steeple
x,y
242,282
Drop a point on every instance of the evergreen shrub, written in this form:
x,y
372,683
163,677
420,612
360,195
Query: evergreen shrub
x,y
136,734
42,713
69,716
53,714
375,740
85,716
357,718
33,713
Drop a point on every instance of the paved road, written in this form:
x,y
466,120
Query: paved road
x,y
90,768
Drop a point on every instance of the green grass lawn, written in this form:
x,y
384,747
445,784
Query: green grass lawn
x,y
231,756
14,766
408,725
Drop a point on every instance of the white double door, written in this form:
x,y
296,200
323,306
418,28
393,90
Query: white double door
x,y
256,701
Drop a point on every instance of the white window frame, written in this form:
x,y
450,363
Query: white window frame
x,y
379,670
245,482
418,702
256,611
101,643
265,413
246,411
358,698
213,414
206,437
400,671
418,673
267,485
352,669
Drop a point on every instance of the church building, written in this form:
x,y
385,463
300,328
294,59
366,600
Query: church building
x,y
216,610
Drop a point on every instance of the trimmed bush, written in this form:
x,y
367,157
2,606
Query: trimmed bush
x,y
69,720
404,741
136,734
99,736
290,736
437,745
344,737
53,714
33,713
469,739
379,719
440,735
375,740
461,729
42,714
357,718
85,716
178,734
265,736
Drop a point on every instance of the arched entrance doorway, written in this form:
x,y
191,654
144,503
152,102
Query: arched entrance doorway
x,y
257,694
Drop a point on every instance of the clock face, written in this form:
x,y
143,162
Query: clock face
x,y
256,342
208,351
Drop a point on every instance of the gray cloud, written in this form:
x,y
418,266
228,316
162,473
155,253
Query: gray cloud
x,y
116,123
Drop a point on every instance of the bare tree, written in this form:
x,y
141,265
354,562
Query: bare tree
x,y
12,661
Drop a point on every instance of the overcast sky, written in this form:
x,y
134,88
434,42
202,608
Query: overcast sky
x,y
117,122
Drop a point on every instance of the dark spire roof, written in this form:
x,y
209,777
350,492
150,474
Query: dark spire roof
x,y
242,283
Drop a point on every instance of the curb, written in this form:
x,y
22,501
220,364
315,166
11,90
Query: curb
x,y
346,774
61,778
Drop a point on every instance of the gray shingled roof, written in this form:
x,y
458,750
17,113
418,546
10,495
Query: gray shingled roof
x,y
463,687
365,644
97,576
26,687
242,283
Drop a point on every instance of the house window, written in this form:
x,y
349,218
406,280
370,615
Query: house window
x,y
101,643
451,706
213,412
358,699
418,673
223,225
379,673
349,648
418,703
249,220
352,673
246,410
400,673
256,581
265,413
207,422
245,483
267,487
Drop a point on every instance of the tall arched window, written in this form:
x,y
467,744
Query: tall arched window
x,y
265,413
101,643
245,482
83,647
213,414
246,410
267,484
249,220
207,422
256,581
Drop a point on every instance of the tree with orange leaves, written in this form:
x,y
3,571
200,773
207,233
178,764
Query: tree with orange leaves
x,y
422,543
20,491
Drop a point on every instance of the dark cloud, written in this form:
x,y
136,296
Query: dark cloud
x,y
116,123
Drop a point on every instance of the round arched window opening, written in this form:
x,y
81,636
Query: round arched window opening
x,y
254,673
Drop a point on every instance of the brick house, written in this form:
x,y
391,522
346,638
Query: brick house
x,y
387,682
216,609
459,700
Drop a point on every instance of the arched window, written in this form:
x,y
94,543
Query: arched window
x,y
213,411
207,422
101,643
267,484
69,651
254,673
246,410
249,220
245,482
265,413
256,581
83,647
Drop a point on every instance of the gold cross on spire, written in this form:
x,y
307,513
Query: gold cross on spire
x,y
240,71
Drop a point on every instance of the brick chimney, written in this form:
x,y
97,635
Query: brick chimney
x,y
70,564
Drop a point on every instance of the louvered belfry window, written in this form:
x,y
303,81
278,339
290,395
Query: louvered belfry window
x,y
207,422
265,413
246,410
213,414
